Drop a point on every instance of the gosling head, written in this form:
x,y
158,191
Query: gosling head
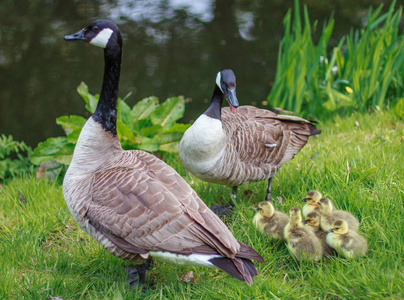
x,y
325,206
313,197
226,82
295,216
339,227
100,33
313,219
266,209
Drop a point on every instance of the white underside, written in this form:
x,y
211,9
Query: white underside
x,y
202,145
199,260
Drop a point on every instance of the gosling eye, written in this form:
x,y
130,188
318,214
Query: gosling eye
x,y
95,28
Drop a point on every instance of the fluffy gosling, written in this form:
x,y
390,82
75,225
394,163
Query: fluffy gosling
x,y
269,221
312,199
346,242
329,215
301,241
313,220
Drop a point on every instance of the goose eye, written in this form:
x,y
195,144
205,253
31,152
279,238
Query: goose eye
x,y
95,28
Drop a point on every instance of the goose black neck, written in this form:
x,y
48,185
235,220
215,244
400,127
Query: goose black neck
x,y
215,108
105,114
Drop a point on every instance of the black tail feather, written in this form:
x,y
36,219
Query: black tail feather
x,y
240,268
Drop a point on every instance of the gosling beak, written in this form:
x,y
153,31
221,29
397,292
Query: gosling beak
x,y
232,99
304,222
304,199
78,36
331,230
256,208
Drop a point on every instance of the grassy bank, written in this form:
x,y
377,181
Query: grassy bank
x,y
357,162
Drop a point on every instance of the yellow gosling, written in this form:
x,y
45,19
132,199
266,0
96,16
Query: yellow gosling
x,y
269,221
346,242
329,215
301,241
313,220
312,199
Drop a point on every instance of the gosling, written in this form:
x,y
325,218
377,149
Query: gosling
x,y
346,242
329,215
313,220
312,199
269,221
301,241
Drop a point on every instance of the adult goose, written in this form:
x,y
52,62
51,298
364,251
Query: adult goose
x,y
132,203
238,148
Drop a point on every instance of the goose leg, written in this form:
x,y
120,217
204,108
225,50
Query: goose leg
x,y
137,275
226,210
269,189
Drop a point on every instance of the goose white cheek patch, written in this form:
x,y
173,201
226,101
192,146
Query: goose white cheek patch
x,y
102,38
218,80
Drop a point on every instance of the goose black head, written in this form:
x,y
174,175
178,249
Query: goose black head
x,y
226,82
100,33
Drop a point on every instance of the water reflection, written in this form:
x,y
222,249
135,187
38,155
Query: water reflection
x,y
171,47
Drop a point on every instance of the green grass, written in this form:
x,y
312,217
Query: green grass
x,y
43,253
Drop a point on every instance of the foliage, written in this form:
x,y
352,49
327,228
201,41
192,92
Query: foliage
x,y
13,158
148,126
356,162
364,68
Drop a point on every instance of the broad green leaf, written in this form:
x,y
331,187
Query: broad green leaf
x,y
168,112
170,147
124,114
399,109
71,123
124,132
73,136
46,150
152,130
91,100
179,127
65,154
144,108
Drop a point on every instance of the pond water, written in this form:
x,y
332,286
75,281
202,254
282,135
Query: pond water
x,y
171,47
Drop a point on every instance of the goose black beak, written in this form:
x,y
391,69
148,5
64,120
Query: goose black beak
x,y
232,99
78,36
304,199
331,230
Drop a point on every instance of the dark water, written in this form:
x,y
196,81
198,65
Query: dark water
x,y
170,48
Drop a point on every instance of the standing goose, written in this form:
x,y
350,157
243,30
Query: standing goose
x,y
237,148
132,203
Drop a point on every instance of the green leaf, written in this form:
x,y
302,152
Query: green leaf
x,y
65,154
144,108
124,114
399,109
73,136
71,123
91,100
46,150
168,112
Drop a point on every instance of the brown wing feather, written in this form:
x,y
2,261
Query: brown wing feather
x,y
252,130
148,205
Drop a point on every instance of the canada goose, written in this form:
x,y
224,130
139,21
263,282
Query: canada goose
x,y
301,241
135,205
237,148
329,215
312,199
313,220
269,221
347,242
